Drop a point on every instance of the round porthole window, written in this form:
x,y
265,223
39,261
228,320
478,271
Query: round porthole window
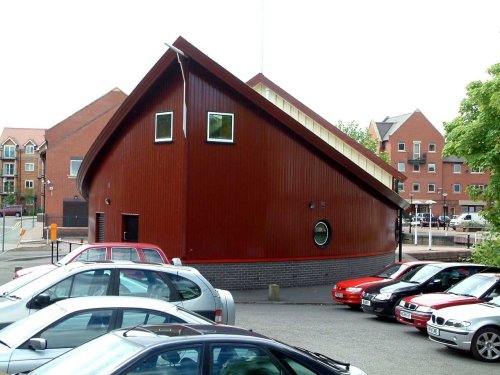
x,y
322,233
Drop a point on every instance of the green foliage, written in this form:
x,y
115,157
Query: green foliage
x,y
363,137
475,136
11,198
487,252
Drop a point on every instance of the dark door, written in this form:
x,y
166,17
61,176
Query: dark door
x,y
130,228
75,213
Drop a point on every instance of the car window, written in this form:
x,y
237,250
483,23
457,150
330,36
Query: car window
x,y
186,288
172,362
134,317
77,329
124,253
90,283
92,255
450,277
152,256
236,359
143,283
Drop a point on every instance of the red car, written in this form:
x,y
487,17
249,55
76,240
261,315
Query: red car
x,y
349,291
138,252
417,310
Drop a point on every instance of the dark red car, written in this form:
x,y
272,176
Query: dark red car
x,y
349,291
95,252
417,310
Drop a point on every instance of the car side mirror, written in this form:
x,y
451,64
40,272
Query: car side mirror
x,y
176,261
37,343
40,301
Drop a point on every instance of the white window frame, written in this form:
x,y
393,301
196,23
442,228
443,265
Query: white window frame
x,y
8,183
6,167
401,186
431,188
431,167
417,185
29,149
457,188
401,167
417,149
220,140
401,143
457,168
432,144
29,167
164,139
416,168
72,166
476,171
29,184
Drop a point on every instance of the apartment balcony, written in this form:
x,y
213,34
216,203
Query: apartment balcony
x,y
417,159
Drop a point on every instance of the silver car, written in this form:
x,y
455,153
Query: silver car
x,y
474,328
38,338
183,286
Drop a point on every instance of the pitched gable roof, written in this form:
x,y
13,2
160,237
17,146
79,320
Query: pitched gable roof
x,y
196,56
390,124
21,136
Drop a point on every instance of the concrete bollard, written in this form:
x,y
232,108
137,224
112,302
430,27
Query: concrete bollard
x,y
274,292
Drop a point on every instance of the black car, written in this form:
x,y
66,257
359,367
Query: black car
x,y
443,221
191,349
382,299
426,220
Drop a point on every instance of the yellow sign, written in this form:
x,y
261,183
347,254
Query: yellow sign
x,y
53,232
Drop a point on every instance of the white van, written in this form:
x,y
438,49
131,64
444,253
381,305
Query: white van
x,y
467,217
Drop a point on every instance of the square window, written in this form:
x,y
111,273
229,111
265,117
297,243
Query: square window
x,y
220,127
416,168
401,186
164,127
401,167
457,168
9,151
432,147
74,166
29,184
431,188
431,167
29,167
401,146
416,187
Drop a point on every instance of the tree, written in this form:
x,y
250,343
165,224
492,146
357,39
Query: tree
x,y
363,137
475,136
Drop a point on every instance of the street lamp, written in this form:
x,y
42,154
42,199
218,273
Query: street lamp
x,y
430,224
416,226
411,203
445,209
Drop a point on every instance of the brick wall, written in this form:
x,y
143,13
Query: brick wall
x,y
239,276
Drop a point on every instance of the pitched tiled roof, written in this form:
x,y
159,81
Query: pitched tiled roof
x,y
391,124
21,136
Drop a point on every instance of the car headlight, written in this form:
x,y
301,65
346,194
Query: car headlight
x,y
457,323
425,309
383,296
401,303
353,290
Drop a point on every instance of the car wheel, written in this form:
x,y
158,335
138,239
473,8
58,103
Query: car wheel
x,y
486,344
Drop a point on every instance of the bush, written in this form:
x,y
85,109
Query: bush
x,y
487,252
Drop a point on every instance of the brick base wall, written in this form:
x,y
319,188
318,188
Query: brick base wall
x,y
240,276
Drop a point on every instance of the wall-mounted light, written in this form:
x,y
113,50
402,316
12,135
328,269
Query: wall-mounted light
x,y
107,201
312,205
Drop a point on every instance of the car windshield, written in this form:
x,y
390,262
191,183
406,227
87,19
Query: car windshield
x,y
392,271
474,286
88,359
421,274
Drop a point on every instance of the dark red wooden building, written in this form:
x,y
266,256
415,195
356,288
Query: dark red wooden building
x,y
201,164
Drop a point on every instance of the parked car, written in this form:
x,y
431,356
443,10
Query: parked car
x,y
454,221
426,220
64,325
473,328
470,217
443,221
417,310
183,286
349,291
191,349
95,252
20,281
16,210
381,300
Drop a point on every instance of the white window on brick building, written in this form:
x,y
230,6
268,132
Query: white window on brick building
x,y
456,188
29,167
29,184
457,168
74,166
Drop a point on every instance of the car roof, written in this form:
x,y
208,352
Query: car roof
x,y
127,264
122,244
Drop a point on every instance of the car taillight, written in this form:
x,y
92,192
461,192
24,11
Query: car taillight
x,y
218,316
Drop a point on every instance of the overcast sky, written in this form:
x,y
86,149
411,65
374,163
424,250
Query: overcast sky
x,y
353,60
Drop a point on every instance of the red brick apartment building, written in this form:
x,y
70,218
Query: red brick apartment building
x,y
415,147
21,167
67,144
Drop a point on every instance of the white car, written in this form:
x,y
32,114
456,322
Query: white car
x,y
183,286
474,328
38,338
